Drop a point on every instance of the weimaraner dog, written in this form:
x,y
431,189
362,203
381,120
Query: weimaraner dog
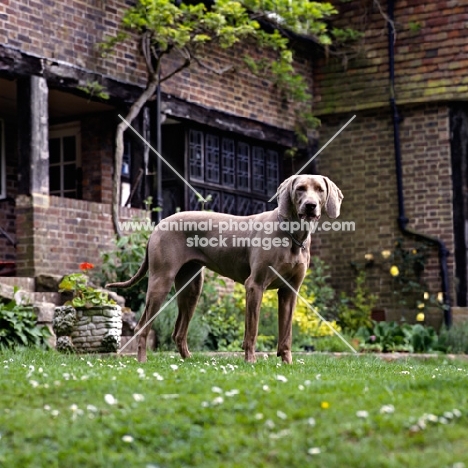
x,y
246,249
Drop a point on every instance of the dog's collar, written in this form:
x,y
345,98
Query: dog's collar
x,y
295,241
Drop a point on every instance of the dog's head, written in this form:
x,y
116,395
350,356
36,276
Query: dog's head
x,y
304,196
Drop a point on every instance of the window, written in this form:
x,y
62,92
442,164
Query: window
x,y
64,160
239,176
2,162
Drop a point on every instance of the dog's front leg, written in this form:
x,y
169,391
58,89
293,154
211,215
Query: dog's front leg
x,y
254,294
286,305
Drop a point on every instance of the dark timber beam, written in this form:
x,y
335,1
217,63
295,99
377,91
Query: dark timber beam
x,y
33,135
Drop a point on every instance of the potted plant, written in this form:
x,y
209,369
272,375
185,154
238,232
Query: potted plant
x,y
89,321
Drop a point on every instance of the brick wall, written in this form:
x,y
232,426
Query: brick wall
x,y
78,25
361,163
430,56
56,234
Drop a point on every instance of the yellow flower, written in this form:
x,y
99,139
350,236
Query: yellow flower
x,y
324,405
420,305
394,271
420,317
426,296
369,257
440,297
386,254
414,251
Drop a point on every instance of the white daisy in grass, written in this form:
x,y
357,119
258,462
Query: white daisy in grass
x,y
281,378
54,413
281,415
269,424
363,414
138,397
266,388
311,422
47,408
258,416
127,438
34,383
158,376
109,399
387,409
314,451
174,367
91,408
218,401
232,392
216,390
456,412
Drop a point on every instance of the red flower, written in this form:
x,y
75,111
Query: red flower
x,y
86,266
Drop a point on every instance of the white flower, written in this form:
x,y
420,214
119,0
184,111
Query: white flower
x,y
281,378
90,364
281,415
174,367
311,422
314,451
266,388
218,400
362,414
431,418
216,390
55,413
158,377
443,420
280,434
232,392
269,424
317,377
91,408
138,397
127,439
301,387
259,416
456,413
387,409
74,408
109,399
34,383
46,407
448,415
203,371
205,404
404,372
308,382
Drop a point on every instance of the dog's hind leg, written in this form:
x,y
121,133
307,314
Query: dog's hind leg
x,y
187,302
254,294
158,289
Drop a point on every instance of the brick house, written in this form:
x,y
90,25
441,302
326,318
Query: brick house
x,y
57,138
220,131
425,56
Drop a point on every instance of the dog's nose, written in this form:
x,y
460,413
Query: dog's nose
x,y
310,206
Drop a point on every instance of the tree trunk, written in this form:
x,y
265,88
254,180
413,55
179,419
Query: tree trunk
x,y
119,146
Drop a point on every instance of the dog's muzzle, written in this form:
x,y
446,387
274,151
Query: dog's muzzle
x,y
310,212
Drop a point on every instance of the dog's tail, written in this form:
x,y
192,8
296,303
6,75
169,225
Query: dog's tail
x,y
137,277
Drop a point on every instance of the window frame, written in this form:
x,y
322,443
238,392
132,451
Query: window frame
x,y
61,131
242,195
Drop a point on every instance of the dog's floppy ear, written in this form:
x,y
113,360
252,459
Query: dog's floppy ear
x,y
285,203
334,198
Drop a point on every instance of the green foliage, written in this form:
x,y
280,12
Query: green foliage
x,y
193,29
454,339
123,262
355,311
391,337
83,295
18,327
94,89
163,326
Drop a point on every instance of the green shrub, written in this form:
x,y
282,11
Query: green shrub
x,y
387,337
454,339
122,263
18,327
355,311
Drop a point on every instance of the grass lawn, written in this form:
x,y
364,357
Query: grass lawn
x,y
323,411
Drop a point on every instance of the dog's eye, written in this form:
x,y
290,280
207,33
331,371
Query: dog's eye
x,y
321,189
301,188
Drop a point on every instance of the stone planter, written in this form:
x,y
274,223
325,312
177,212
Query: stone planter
x,y
82,330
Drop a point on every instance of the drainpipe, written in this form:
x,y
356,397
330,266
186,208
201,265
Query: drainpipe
x,y
159,149
402,219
